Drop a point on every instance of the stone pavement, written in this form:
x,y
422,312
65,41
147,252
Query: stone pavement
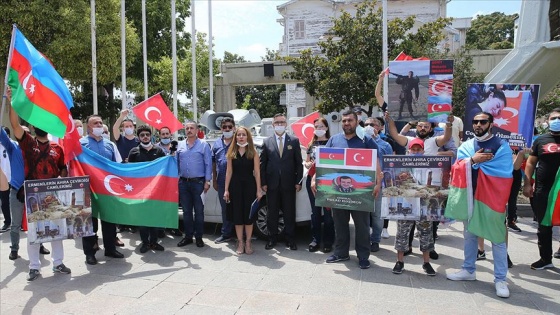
x,y
213,280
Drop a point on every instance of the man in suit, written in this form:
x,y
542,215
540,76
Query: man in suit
x,y
281,174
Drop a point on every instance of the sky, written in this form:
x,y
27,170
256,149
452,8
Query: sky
x,y
248,27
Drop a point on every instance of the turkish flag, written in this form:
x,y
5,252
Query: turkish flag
x,y
404,57
359,157
71,142
155,113
303,128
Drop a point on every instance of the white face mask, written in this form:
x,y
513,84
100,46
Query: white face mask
x,y
484,137
146,145
80,131
228,134
97,131
279,129
319,133
242,145
106,136
128,131
369,130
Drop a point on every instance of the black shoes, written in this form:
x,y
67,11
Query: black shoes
x,y
157,247
43,250
118,242
374,247
510,263
91,260
185,241
513,226
313,247
13,255
399,266
481,255
291,245
434,255
114,254
428,269
199,242
270,245
408,252
327,249
144,248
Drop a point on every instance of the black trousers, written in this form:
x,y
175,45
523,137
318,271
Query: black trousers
x,y
149,235
109,231
281,200
544,233
514,192
5,201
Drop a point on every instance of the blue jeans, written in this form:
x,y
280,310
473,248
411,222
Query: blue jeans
x,y
376,221
227,226
320,215
189,195
499,252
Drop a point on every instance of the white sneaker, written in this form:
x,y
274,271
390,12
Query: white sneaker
x,y
502,289
462,275
384,233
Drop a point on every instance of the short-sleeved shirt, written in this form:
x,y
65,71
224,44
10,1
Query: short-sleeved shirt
x,y
102,147
219,151
43,160
139,154
547,149
340,141
125,145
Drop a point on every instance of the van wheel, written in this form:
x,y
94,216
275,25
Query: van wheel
x,y
260,227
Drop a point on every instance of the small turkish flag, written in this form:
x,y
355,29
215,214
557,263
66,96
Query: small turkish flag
x,y
155,113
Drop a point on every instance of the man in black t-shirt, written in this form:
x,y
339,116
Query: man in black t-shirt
x,y
546,152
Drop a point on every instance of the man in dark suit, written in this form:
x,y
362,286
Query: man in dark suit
x,y
281,173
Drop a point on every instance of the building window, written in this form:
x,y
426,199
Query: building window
x,y
299,29
301,112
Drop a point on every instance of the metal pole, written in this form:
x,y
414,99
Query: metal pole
x,y
174,56
193,59
210,55
94,58
123,55
385,48
7,73
145,49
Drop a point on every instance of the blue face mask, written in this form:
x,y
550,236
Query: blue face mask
x,y
165,140
554,125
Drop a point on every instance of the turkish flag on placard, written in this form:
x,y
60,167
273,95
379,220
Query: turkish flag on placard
x,y
303,128
359,157
155,112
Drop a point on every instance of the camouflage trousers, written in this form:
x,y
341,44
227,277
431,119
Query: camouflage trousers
x,y
426,236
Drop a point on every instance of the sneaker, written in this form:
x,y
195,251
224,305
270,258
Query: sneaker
x,y
502,289
157,247
222,239
434,255
33,274
199,242
144,248
374,247
557,254
513,226
336,258
481,255
384,233
399,266
62,269
43,250
462,275
541,264
428,269
364,263
13,255
4,228
510,263
408,252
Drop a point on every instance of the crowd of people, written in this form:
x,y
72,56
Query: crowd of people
x,y
242,176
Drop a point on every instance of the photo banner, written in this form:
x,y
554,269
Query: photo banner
x,y
415,187
513,106
345,178
58,209
420,90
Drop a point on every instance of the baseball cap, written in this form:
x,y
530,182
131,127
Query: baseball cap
x,y
416,141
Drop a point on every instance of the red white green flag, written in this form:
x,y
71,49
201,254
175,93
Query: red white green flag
x,y
552,215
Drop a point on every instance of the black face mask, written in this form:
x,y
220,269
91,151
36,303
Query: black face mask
x,y
40,132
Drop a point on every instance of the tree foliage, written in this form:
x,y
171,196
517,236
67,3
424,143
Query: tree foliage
x,y
549,102
345,74
492,31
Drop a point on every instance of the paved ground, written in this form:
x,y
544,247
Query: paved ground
x,y
213,280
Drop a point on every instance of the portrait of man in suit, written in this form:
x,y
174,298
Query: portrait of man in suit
x,y
281,173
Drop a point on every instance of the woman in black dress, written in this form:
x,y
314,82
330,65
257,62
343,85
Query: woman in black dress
x,y
242,179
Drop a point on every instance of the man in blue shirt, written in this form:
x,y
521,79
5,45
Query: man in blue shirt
x,y
194,159
219,166
341,217
96,143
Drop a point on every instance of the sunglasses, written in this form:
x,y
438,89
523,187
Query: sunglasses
x,y
227,127
480,121
554,118
144,134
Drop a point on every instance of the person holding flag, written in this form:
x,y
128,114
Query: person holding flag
x,y
545,153
483,163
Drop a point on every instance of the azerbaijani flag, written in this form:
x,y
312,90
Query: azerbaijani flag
x,y
486,210
331,156
552,215
140,194
39,94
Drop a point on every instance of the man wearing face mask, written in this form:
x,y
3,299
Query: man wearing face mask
x,y
546,154
165,140
219,167
95,142
129,140
79,127
281,175
146,152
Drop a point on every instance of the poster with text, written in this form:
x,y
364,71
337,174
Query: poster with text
x,y
513,107
58,209
415,187
420,89
345,178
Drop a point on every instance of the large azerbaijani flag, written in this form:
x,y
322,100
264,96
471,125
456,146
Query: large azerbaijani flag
x,y
486,209
39,94
140,194
552,215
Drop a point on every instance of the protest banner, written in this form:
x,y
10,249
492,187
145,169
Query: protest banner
x,y
415,187
345,178
58,209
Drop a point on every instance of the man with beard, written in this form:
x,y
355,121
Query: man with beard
x,y
165,138
341,217
146,152
483,163
545,152
219,166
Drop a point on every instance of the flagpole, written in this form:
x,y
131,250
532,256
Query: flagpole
x,y
123,55
145,49
93,57
193,60
174,56
210,56
385,51
4,96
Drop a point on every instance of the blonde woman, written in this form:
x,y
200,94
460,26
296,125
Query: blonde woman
x,y
243,182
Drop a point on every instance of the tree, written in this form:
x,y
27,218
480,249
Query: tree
x,y
345,74
492,31
549,102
